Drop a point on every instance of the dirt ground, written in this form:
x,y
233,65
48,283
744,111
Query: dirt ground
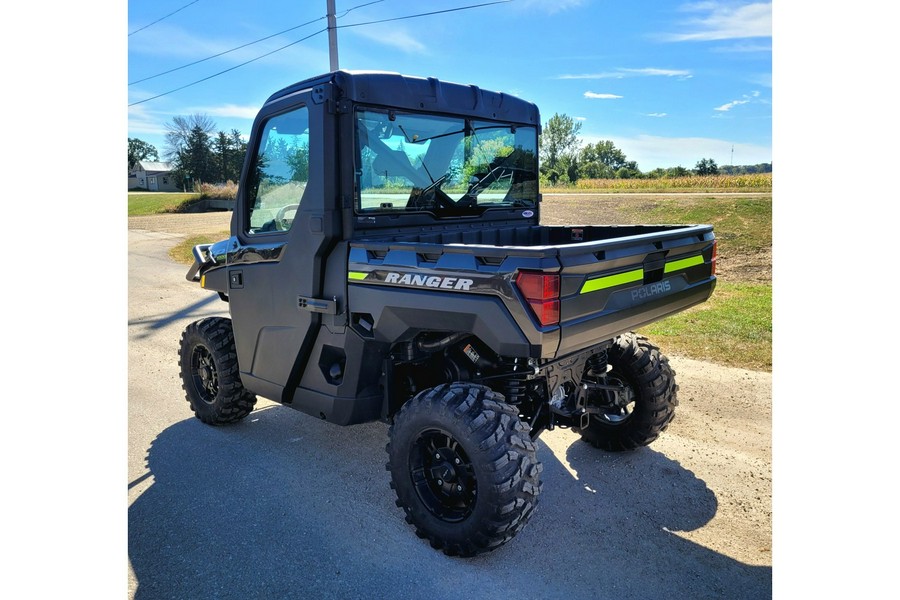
x,y
722,436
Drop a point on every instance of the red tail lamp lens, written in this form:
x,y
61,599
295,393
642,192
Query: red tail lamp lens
x,y
546,312
541,290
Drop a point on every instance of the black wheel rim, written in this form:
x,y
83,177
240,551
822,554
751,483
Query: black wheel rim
x,y
443,476
617,414
204,374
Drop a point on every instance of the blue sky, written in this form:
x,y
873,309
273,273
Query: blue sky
x,y
669,83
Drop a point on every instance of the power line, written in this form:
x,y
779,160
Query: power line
x,y
196,62
437,12
161,18
313,35
349,10
229,69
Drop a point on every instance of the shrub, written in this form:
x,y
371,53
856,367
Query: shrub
x,y
219,191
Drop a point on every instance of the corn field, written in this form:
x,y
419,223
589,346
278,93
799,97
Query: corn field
x,y
754,182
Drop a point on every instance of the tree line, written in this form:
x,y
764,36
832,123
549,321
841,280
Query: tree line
x,y
198,153
565,160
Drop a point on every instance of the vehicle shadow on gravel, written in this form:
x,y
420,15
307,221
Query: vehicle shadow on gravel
x,y
152,323
285,506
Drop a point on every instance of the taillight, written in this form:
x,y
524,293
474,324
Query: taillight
x,y
715,254
541,291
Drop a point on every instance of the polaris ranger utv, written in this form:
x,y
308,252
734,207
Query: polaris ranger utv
x,y
387,262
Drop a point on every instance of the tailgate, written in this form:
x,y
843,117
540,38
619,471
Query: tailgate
x,y
615,285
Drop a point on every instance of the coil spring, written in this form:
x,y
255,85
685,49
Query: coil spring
x,y
596,364
514,385
514,391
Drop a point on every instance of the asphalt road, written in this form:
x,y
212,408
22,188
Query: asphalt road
x,y
285,506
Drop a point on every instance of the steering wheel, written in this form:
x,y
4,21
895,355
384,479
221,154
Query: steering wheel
x,y
281,221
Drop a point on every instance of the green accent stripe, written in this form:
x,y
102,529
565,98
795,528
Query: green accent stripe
x,y
601,283
684,263
356,275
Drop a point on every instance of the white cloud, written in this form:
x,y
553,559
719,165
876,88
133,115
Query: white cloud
x,y
169,43
397,39
658,115
746,99
730,105
551,7
581,118
743,48
229,111
621,73
725,21
596,96
142,121
652,152
658,72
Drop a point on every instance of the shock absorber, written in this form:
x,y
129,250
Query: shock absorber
x,y
514,383
595,366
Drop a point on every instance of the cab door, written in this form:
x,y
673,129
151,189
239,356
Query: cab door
x,y
275,265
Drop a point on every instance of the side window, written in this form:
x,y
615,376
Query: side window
x,y
279,173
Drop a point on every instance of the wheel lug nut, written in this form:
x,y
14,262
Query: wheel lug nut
x,y
436,455
456,460
459,488
440,482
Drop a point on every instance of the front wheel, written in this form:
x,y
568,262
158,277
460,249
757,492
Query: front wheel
x,y
464,468
210,375
640,366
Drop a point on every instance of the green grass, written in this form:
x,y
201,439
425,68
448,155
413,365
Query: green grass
x,y
156,203
182,253
742,225
733,327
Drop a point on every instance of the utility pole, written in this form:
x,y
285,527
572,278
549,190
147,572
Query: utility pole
x,y
332,37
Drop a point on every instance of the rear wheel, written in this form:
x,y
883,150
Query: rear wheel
x,y
644,370
210,375
464,468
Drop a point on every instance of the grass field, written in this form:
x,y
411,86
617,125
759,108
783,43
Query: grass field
x,y
734,327
155,203
183,252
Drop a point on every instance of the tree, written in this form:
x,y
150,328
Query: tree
x,y
559,147
706,166
188,147
238,151
139,150
745,169
222,147
229,150
604,161
298,161
200,158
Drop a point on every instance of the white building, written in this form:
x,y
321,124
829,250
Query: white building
x,y
152,176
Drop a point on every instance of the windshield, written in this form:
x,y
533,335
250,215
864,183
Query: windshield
x,y
448,166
